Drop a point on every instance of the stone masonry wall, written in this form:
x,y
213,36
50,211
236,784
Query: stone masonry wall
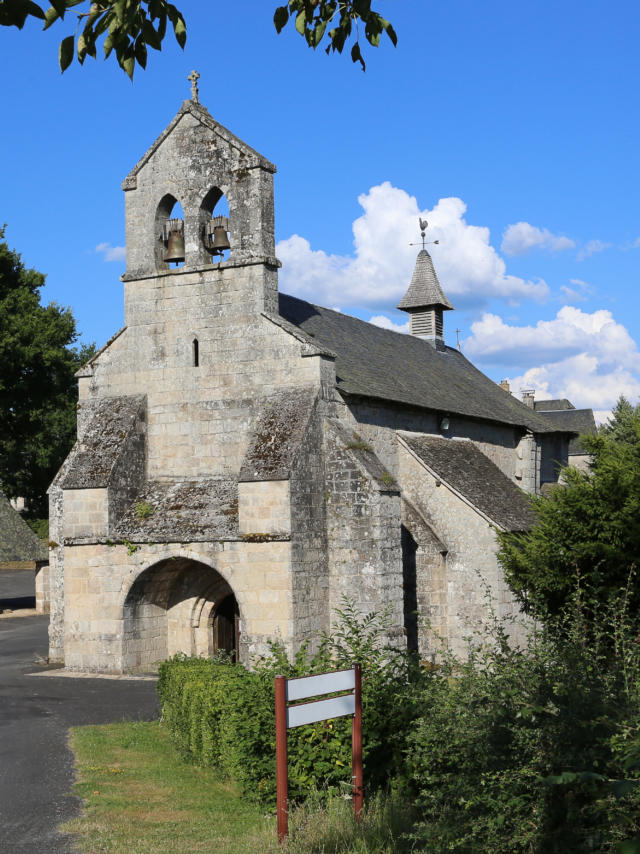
x,y
309,561
194,163
363,527
377,423
474,580
99,577
200,418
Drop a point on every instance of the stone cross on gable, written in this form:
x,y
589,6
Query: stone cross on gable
x,y
194,77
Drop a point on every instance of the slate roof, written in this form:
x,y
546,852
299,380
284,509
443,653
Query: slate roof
x,y
377,363
462,466
424,289
552,405
114,418
276,438
179,512
17,540
579,421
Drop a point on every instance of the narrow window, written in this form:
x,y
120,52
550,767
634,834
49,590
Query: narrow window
x,y
196,353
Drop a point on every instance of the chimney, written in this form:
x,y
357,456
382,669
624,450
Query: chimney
x,y
505,385
528,395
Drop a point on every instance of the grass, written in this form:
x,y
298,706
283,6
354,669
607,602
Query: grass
x,y
140,797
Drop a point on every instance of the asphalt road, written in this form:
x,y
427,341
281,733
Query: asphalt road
x,y
36,765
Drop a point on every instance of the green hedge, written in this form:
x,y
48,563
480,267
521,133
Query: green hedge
x,y
222,715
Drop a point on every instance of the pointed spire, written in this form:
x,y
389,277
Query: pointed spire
x,y
425,290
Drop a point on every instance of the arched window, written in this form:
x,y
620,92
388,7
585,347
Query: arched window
x,y
196,353
169,227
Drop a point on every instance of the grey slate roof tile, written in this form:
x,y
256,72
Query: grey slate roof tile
x,y
17,540
277,436
424,289
378,363
186,511
552,405
462,465
96,455
579,421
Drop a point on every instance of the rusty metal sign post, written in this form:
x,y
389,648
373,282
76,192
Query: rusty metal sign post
x,y
291,714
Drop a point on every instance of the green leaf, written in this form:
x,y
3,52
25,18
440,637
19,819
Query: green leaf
x,y
33,9
108,45
50,17
119,8
281,17
180,30
301,20
151,37
319,33
128,66
141,52
356,56
60,6
65,56
81,48
386,25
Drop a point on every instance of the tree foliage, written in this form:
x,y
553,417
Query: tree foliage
x,y
588,532
37,383
128,28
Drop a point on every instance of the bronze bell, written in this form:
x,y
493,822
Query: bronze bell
x,y
217,239
220,240
174,238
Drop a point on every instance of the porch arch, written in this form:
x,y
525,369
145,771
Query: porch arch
x,y
163,611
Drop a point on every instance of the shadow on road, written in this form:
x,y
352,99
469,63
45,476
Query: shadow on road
x,y
17,603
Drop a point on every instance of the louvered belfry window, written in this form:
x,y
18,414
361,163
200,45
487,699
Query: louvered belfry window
x,y
427,323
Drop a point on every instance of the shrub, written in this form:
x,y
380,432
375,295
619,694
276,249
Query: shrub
x,y
221,714
526,750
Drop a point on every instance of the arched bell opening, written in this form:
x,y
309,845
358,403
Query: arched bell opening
x,y
214,226
163,612
169,233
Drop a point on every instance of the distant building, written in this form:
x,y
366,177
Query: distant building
x,y
20,546
564,416
246,458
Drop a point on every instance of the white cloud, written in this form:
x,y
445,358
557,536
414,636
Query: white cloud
x,y
111,253
385,323
523,237
591,248
636,243
378,273
588,358
578,293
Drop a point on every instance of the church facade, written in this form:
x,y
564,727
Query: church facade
x,y
246,459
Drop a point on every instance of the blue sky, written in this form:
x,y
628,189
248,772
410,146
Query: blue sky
x,y
514,127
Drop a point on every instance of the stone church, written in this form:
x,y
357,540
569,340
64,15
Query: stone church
x,y
246,459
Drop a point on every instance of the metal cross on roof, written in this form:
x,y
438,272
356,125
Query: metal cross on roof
x,y
194,77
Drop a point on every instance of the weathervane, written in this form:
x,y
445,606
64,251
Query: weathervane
x,y
194,77
423,227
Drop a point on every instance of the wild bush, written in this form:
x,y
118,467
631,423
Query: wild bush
x,y
534,749
221,714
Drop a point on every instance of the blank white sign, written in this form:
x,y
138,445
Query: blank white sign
x,y
324,683
321,710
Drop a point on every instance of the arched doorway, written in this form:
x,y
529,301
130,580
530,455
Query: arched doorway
x,y
225,627
171,608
